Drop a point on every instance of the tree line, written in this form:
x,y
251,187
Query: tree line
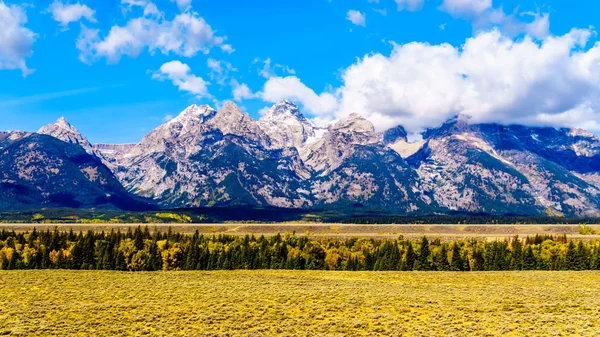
x,y
141,250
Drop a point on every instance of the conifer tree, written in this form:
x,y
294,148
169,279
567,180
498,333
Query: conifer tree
x,y
457,263
529,261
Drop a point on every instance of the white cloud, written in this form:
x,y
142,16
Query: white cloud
x,y
492,78
357,18
186,35
183,5
410,5
290,87
468,8
540,27
483,17
268,70
148,7
219,70
214,65
67,13
241,91
227,48
16,40
181,76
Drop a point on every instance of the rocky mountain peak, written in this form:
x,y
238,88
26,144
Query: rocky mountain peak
x,y
393,135
63,123
66,132
354,123
285,107
230,109
460,123
230,119
195,112
285,124
339,143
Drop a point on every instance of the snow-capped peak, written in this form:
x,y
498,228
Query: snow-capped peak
x,y
286,125
285,107
195,112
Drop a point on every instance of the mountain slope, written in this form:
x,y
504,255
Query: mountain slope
x,y
205,158
490,168
353,167
41,171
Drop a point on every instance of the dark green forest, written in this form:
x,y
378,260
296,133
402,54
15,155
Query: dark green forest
x,y
271,215
142,250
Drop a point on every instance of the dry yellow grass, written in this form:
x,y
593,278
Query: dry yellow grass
x,y
298,303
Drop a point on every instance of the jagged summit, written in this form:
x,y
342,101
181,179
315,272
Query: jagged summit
x,y
286,125
62,122
393,135
354,123
66,132
457,124
286,107
194,111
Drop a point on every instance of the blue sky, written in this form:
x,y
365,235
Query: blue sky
x,y
116,92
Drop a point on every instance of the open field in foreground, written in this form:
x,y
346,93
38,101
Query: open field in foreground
x,y
445,232
299,303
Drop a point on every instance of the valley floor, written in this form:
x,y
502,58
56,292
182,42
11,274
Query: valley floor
x,y
298,303
444,232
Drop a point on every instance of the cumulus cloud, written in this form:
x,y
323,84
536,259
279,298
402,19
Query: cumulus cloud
x,y
357,18
186,35
67,13
16,41
181,76
410,5
290,87
492,78
241,91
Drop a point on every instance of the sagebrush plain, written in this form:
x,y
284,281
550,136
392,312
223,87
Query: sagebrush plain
x,y
298,303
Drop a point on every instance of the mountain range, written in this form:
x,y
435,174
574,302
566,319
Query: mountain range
x,y
204,158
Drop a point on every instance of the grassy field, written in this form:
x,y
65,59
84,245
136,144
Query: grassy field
x,y
445,232
295,303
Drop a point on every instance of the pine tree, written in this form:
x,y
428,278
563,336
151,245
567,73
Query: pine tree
x,y
516,258
529,262
138,239
571,257
409,257
478,260
456,263
583,257
442,259
422,262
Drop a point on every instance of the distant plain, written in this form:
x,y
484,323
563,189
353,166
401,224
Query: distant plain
x,y
444,232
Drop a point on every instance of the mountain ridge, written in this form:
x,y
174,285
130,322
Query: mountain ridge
x,y
207,157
